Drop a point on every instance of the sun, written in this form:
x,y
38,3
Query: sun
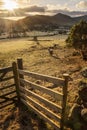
x,y
10,5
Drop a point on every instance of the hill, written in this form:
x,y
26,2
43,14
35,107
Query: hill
x,y
41,22
58,19
80,18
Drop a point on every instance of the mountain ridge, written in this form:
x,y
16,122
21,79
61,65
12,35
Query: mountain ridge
x,y
59,18
30,22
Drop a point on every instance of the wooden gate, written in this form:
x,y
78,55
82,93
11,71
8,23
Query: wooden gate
x,y
7,87
30,88
49,104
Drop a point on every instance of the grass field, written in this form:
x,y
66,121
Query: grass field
x,y
36,58
33,55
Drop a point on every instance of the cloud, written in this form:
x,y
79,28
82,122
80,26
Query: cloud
x,y
20,3
1,3
77,13
31,10
23,3
54,9
34,9
67,12
57,7
82,4
41,10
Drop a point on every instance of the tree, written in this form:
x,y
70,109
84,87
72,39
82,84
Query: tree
x,y
78,35
78,38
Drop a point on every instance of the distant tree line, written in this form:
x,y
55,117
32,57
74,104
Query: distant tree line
x,y
20,29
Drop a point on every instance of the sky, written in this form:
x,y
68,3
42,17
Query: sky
x,y
20,8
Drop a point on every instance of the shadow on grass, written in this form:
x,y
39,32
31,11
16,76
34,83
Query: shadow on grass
x,y
56,57
39,40
21,118
29,120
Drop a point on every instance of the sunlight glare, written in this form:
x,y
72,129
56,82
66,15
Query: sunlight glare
x,y
10,5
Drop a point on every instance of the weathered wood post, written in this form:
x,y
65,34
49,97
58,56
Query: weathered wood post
x,y
20,67
66,77
16,79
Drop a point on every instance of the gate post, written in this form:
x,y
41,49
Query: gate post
x,y
66,77
16,79
20,67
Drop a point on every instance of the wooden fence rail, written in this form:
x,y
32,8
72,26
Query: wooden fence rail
x,y
8,69
47,78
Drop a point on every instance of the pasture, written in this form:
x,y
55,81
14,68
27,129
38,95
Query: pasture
x,y
36,58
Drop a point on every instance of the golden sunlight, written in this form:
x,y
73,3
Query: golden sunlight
x,y
10,5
